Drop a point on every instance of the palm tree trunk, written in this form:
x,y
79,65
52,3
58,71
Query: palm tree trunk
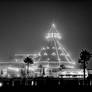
x,y
28,69
84,72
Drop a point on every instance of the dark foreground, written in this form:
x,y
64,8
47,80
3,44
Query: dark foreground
x,y
44,83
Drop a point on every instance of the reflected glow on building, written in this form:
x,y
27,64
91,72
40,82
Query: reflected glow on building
x,y
52,60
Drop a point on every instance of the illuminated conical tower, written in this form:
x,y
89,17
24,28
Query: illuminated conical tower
x,y
54,54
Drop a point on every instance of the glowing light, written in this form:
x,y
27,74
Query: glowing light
x,y
78,73
65,76
53,47
68,66
66,54
1,84
18,75
53,35
8,75
45,54
63,73
36,83
72,62
53,25
14,69
59,83
43,48
53,54
33,67
47,47
59,59
57,35
32,83
59,48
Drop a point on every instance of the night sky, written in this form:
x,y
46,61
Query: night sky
x,y
23,26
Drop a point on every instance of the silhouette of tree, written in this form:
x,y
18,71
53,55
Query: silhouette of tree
x,y
84,58
28,61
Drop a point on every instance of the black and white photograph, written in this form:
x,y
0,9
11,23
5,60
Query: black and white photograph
x,y
45,44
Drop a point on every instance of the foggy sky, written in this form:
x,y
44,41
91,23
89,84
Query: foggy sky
x,y
23,26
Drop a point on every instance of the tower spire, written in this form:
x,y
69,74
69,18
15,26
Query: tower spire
x,y
53,33
54,53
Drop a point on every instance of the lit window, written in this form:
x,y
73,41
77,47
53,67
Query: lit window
x,y
53,47
43,48
53,54
45,54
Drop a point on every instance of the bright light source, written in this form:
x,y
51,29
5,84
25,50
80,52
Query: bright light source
x,y
63,73
53,35
53,25
1,84
45,54
32,83
13,69
53,54
69,66
57,35
36,83
43,48
18,75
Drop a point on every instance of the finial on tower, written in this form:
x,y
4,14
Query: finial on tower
x,y
53,33
53,25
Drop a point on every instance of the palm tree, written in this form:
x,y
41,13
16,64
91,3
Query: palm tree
x,y
28,61
84,58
